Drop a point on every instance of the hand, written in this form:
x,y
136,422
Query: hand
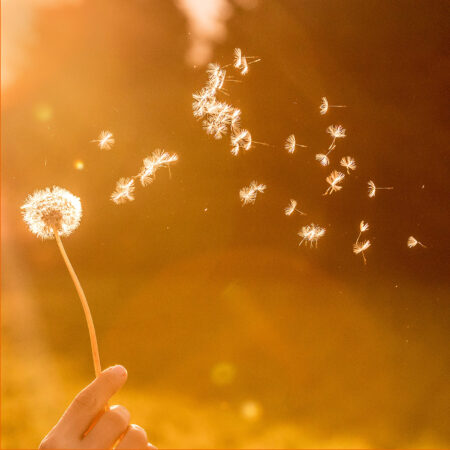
x,y
89,423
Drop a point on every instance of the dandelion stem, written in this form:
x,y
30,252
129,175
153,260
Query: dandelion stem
x,y
84,303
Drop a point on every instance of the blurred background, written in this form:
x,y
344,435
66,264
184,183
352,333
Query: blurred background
x,y
232,334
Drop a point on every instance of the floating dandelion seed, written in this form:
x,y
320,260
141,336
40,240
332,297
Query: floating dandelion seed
x,y
244,69
311,233
333,180
242,62
204,100
248,194
291,208
237,58
124,191
349,163
361,248
158,159
105,140
373,189
216,78
240,139
324,106
337,132
323,159
363,226
412,242
291,143
50,214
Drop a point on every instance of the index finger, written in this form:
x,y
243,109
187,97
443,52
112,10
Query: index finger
x,y
92,400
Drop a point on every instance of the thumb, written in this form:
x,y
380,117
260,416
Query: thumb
x,y
93,399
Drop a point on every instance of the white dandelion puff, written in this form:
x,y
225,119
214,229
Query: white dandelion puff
x,y
105,140
333,180
349,163
291,143
52,210
124,191
412,242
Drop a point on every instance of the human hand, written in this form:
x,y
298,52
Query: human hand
x,y
89,424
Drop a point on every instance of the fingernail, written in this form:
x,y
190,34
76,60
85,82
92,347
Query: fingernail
x,y
118,369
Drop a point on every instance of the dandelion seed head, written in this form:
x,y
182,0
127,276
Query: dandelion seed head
x,y
124,191
336,131
324,106
52,209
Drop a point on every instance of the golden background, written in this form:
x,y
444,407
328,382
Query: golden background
x,y
233,336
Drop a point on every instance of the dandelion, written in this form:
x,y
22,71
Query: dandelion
x,y
243,139
235,119
311,233
244,69
412,242
237,58
323,159
291,208
336,132
349,163
324,106
248,194
361,248
291,143
203,102
158,159
333,180
50,214
240,139
373,189
242,62
124,191
216,78
105,140
363,226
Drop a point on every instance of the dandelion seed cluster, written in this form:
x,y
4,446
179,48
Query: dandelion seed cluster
x,y
125,187
220,118
52,210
